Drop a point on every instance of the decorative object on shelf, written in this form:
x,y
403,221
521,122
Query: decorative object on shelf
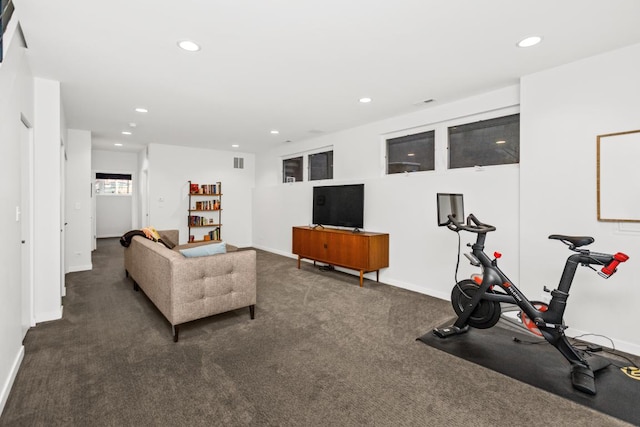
x,y
205,206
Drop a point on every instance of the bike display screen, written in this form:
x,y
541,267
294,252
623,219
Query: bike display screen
x,y
450,204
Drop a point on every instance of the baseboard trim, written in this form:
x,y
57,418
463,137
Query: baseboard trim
x,y
383,277
8,384
417,289
52,315
76,268
606,342
275,251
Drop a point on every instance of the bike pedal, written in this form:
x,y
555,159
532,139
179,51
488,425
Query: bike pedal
x,y
449,331
583,379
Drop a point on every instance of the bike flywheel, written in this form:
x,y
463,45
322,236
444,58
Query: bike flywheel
x,y
485,315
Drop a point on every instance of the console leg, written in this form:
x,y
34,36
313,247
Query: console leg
x,y
298,262
361,277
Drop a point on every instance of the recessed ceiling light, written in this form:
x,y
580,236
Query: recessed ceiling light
x,y
142,110
189,46
235,145
132,125
365,100
411,154
126,132
117,144
275,132
529,41
501,142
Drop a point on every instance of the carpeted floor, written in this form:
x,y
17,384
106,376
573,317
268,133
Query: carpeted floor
x,y
321,352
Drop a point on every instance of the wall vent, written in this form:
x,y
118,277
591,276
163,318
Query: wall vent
x,y
238,162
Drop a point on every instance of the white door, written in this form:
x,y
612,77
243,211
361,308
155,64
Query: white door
x,y
26,225
63,221
144,198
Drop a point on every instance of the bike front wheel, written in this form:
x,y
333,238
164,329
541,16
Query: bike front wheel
x,y
485,315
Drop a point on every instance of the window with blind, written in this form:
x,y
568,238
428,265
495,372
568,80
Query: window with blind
x,y
411,153
113,184
485,143
292,169
321,166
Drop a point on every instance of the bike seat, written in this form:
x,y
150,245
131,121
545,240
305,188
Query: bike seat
x,y
573,241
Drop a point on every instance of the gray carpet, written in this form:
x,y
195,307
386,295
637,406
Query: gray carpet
x,y
321,352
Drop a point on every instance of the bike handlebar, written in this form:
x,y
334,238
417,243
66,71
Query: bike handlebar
x,y
609,262
473,225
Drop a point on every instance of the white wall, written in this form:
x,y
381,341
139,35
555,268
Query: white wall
x,y
170,169
16,89
563,111
116,214
78,201
422,255
143,190
47,207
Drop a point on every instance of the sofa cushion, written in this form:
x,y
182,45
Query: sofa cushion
x,y
205,250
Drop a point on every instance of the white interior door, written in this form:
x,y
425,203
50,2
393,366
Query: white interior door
x,y
144,198
63,220
26,225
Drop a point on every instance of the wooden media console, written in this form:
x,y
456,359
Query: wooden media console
x,y
363,251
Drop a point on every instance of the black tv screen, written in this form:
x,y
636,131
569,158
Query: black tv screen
x,y
339,205
450,204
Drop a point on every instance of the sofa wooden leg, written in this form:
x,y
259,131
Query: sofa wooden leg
x,y
135,286
126,273
252,311
174,330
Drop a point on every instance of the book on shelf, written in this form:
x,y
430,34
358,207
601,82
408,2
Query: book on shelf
x,y
207,189
213,234
207,205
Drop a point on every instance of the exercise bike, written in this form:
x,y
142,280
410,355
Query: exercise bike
x,y
477,302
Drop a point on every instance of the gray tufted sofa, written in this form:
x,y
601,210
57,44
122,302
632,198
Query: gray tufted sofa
x,y
186,289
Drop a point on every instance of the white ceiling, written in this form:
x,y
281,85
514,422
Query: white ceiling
x,y
298,66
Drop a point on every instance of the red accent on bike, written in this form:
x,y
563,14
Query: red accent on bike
x,y
530,324
497,254
506,284
477,279
610,268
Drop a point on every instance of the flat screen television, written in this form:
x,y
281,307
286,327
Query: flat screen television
x,y
339,205
450,204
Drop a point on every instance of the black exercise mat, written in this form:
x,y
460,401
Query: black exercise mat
x,y
542,366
